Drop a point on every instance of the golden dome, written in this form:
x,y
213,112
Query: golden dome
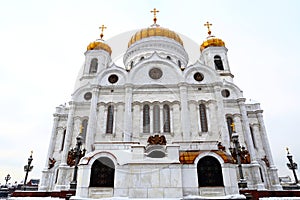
x,y
154,31
212,41
97,45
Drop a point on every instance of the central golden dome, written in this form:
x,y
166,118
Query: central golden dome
x,y
154,31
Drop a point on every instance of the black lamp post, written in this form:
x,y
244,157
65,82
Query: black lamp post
x,y
7,178
27,169
237,149
292,165
78,152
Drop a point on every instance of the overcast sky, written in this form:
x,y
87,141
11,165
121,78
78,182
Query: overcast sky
x,y
42,45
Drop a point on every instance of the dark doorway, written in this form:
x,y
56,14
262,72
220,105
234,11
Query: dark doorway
x,y
209,172
103,173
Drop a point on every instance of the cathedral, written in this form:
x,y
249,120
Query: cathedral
x,y
157,127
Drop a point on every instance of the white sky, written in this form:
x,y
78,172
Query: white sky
x,y
42,45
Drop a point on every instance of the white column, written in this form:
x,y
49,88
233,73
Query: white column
x,y
246,128
264,138
128,113
92,123
222,124
69,131
45,180
239,128
211,119
141,120
161,119
53,139
171,120
248,139
151,119
185,117
275,185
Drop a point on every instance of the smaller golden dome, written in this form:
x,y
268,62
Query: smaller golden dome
x,y
154,31
212,41
97,45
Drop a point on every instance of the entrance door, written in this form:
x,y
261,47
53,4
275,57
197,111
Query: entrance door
x,y
209,172
103,173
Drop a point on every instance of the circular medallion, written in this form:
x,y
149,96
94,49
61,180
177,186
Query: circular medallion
x,y
87,96
198,76
225,93
113,78
155,73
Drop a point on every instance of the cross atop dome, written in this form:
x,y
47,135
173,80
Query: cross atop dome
x,y
154,11
102,29
208,25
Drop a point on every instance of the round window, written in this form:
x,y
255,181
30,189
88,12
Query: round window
x,y
87,96
155,73
113,78
225,93
198,76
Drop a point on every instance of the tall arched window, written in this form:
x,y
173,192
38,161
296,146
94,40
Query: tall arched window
x,y
218,63
94,65
209,172
102,173
252,136
229,126
203,118
110,119
166,118
84,129
156,119
146,119
63,140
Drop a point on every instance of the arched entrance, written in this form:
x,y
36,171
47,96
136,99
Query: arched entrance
x,y
209,172
103,173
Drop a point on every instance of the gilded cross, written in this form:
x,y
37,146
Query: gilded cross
x,y
102,29
208,27
232,125
154,11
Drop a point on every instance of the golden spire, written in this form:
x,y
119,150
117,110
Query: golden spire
x,y
208,27
102,29
232,125
154,11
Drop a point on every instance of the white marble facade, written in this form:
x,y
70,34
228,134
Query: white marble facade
x,y
156,92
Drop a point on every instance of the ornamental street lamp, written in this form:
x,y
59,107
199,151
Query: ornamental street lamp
x,y
237,150
7,178
27,169
292,165
78,155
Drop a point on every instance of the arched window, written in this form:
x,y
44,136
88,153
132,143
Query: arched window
x,y
203,118
102,173
156,119
166,118
218,63
63,140
168,57
252,136
229,126
84,129
146,119
179,63
209,172
110,119
94,65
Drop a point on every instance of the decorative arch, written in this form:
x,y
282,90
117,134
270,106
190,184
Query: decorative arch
x,y
209,172
102,173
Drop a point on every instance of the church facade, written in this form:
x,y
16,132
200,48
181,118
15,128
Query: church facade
x,y
158,127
